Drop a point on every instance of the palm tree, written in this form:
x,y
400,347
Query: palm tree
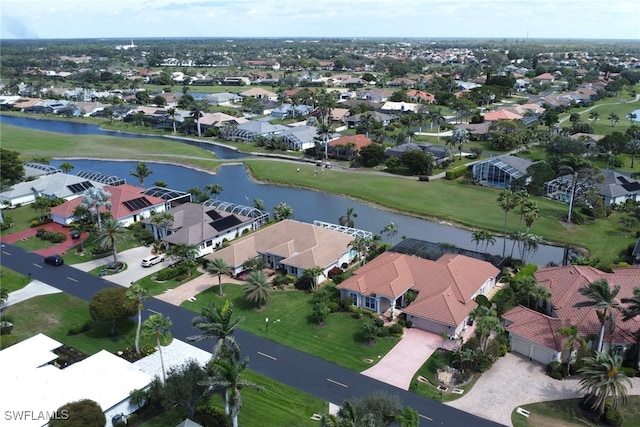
x,y
361,245
158,325
459,137
633,309
196,114
633,146
66,167
259,204
142,171
110,235
507,201
4,295
218,267
571,333
93,199
531,213
632,117
282,211
43,205
521,198
438,119
348,219
254,264
214,189
593,115
580,169
604,380
391,230
257,288
477,237
218,323
137,295
613,118
226,375
601,297
183,253
160,221
172,113
314,272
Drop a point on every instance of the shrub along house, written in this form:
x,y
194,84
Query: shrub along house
x,y
444,289
535,335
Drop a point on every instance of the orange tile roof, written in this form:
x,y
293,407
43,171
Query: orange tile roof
x,y
501,115
444,287
536,327
564,283
358,140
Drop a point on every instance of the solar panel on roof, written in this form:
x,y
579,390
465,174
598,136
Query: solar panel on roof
x,y
79,187
214,215
137,204
226,223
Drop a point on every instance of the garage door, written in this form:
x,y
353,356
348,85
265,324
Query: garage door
x,y
519,346
542,355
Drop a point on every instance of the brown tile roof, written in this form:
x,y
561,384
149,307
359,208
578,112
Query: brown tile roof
x,y
564,284
444,287
300,245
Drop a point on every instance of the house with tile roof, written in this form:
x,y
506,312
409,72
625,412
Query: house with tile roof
x,y
291,246
349,145
445,288
259,93
205,227
535,335
129,204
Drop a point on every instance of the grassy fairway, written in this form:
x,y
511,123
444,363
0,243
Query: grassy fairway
x,y
30,143
290,323
450,200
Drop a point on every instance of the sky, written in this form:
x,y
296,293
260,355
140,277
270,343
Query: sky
x,y
564,19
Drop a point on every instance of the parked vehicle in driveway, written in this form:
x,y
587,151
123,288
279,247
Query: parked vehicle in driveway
x,y
148,262
75,234
54,260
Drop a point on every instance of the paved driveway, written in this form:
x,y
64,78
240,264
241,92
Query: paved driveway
x,y
133,257
399,365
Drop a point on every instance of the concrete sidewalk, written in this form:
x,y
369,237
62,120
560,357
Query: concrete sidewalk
x,y
190,289
33,289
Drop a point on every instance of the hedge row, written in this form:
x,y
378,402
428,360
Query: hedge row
x,y
456,172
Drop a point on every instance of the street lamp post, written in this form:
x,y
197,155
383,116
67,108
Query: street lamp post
x,y
266,324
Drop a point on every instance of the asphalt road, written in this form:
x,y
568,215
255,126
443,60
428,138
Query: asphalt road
x,y
296,369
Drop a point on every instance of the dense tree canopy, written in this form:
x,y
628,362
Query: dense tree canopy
x,y
111,305
11,170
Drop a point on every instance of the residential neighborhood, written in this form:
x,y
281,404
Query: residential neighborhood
x,y
119,291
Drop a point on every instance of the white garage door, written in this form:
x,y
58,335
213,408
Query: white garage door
x,y
519,346
542,355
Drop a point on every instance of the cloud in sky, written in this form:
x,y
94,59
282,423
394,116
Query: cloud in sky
x,y
616,19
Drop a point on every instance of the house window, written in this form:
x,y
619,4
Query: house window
x,y
370,303
354,298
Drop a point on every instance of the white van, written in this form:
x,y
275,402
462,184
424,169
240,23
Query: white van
x,y
148,262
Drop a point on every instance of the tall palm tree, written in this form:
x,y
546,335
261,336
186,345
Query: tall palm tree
x,y
604,380
531,213
218,267
226,375
633,309
158,326
602,298
477,237
282,211
459,137
593,115
580,170
137,296
196,114
171,112
361,245
521,198
93,199
507,201
218,323
633,147
391,230
142,171
259,204
110,235
613,118
257,288
438,119
348,219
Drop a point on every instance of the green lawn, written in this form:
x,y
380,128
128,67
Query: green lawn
x,y
33,243
54,314
449,201
11,280
561,413
20,217
276,406
156,288
289,313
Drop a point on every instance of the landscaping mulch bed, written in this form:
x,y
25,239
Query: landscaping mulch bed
x,y
67,356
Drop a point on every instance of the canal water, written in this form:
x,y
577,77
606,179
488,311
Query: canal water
x,y
308,205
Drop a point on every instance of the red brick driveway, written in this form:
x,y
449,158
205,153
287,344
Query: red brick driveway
x,y
52,226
